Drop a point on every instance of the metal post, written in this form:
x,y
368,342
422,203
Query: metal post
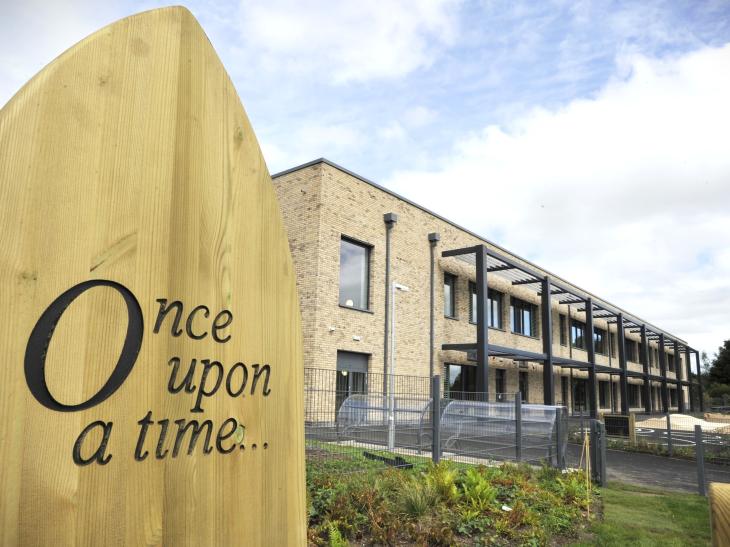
x,y
391,404
669,434
482,324
678,374
663,372
645,366
559,454
598,452
548,377
688,367
591,348
518,426
700,455
433,239
623,384
699,382
390,219
436,420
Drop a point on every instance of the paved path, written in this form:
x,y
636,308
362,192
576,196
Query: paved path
x,y
654,471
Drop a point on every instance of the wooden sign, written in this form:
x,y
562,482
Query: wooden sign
x,y
151,379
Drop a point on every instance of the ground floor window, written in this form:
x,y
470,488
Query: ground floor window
x,y
564,389
352,369
634,396
459,380
580,395
672,397
603,395
524,386
500,383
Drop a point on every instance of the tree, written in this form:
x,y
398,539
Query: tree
x,y
720,368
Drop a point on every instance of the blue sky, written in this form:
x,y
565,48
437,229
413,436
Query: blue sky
x,y
590,137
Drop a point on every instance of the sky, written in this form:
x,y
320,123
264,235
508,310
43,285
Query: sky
x,y
592,138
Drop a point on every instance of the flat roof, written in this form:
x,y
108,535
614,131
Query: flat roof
x,y
470,232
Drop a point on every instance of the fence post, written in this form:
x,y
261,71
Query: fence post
x,y
669,435
582,429
559,454
598,452
700,455
436,420
518,426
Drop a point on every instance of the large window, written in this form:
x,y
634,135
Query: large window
x,y
352,371
634,397
450,295
672,397
564,389
612,343
523,317
670,362
578,334
603,395
563,330
494,306
632,351
500,383
599,340
459,380
524,386
354,274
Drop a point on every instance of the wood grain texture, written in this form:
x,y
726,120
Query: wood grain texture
x,y
130,158
720,513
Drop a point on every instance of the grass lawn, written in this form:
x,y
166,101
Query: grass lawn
x,y
641,517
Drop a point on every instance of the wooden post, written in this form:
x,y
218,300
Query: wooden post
x,y
720,513
152,388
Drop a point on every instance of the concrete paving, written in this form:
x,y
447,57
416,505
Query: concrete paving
x,y
654,471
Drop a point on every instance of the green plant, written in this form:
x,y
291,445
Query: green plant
x,y
417,497
478,491
336,539
442,478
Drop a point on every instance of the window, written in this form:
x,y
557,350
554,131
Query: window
x,y
354,274
352,371
634,398
494,306
459,380
578,334
672,397
500,385
603,396
563,331
612,343
524,386
450,295
631,350
522,317
564,389
670,362
599,340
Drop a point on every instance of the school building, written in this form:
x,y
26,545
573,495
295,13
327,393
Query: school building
x,y
374,267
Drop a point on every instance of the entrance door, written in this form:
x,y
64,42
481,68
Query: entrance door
x,y
352,371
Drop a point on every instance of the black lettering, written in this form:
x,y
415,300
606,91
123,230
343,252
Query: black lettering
x,y
187,383
40,338
189,322
97,456
228,319
223,436
144,424
197,429
159,453
258,370
244,380
164,310
207,365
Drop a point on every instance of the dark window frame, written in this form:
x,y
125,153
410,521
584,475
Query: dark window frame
x,y
491,301
600,347
368,247
517,325
523,384
563,328
578,341
454,281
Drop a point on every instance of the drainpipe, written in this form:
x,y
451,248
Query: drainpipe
x,y
433,239
390,219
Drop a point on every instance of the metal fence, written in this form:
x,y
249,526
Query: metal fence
x,y
408,420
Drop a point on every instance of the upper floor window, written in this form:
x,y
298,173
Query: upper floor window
x,y
599,340
670,362
449,295
578,334
494,306
612,343
632,351
563,330
354,274
523,316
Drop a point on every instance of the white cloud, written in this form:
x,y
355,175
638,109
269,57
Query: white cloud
x,y
626,194
347,40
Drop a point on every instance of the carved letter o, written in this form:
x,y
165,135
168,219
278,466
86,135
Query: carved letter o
x,y
40,339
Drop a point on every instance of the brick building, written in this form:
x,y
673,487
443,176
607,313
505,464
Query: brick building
x,y
350,239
